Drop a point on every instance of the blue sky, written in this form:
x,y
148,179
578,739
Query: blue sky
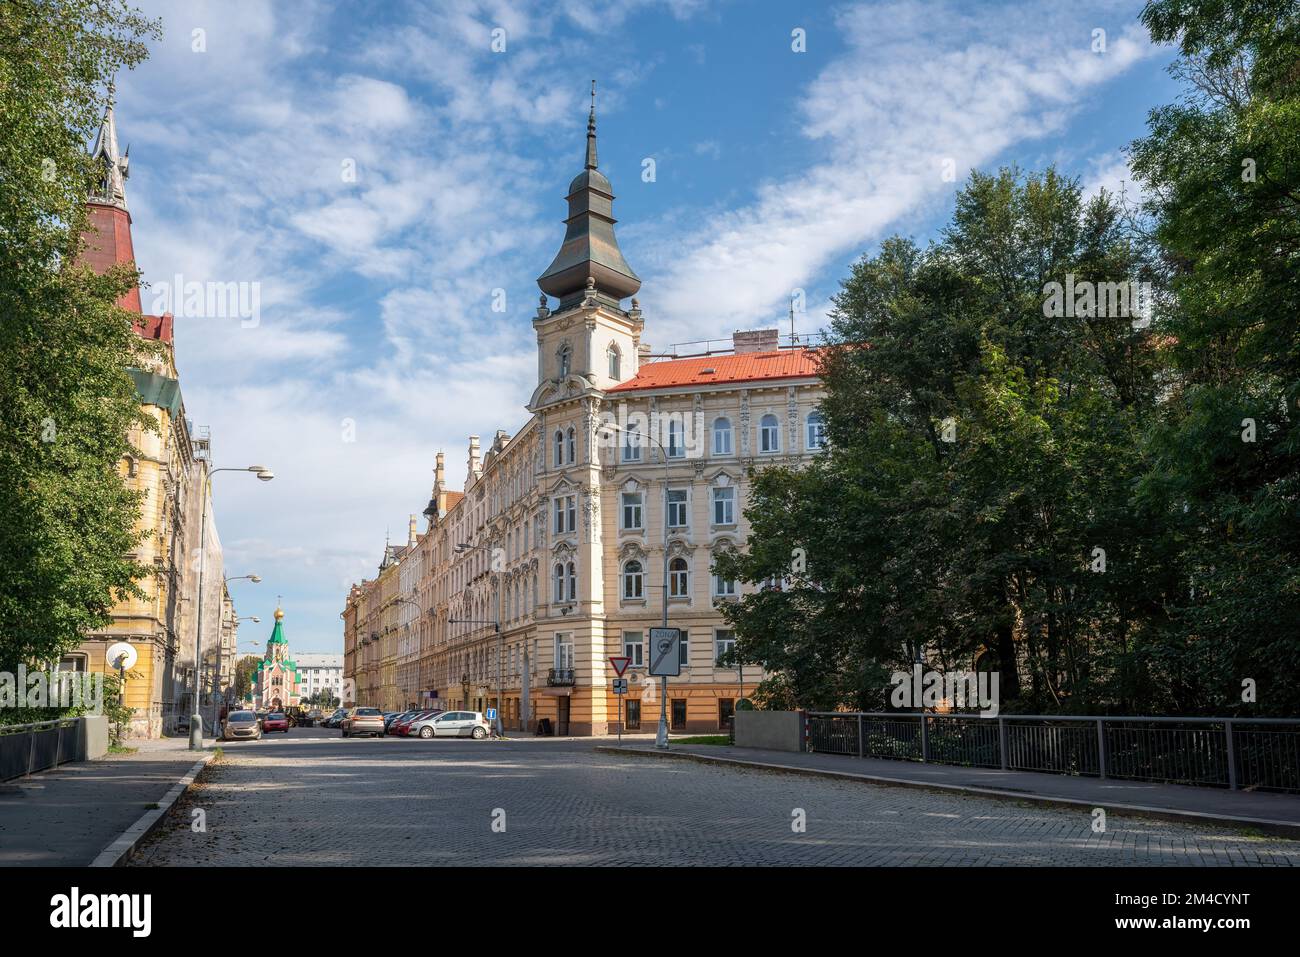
x,y
376,343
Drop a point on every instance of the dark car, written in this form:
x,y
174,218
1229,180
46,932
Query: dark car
x,y
276,721
391,716
403,723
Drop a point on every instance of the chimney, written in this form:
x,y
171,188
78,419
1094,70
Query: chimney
x,y
755,340
439,472
474,467
410,531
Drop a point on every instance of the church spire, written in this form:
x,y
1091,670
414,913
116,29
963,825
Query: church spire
x,y
111,168
589,258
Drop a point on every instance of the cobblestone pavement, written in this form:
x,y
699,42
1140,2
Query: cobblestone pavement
x,y
315,799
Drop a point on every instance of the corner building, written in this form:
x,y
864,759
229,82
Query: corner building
x,y
561,532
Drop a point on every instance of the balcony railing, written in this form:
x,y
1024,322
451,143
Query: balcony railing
x,y
560,678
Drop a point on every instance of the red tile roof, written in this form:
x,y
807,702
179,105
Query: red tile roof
x,y
746,367
155,327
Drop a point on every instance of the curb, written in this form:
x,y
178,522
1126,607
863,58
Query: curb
x,y
126,844
1286,829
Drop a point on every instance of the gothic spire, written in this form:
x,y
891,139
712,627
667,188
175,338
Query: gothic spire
x,y
590,251
111,168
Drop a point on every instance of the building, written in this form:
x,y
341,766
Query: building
x,y
169,468
628,476
277,682
319,673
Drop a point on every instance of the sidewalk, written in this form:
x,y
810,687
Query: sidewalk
x,y
66,816
1274,813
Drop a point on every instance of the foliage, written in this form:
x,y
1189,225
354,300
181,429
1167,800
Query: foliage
x,y
67,404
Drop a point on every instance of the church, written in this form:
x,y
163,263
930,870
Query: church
x,y
276,682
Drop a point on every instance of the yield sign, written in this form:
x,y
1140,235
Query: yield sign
x,y
620,664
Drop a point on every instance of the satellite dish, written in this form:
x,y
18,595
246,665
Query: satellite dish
x,y
122,655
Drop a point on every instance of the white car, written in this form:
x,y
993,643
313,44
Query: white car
x,y
451,724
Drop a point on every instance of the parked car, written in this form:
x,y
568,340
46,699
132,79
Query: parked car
x,y
363,721
391,716
241,724
402,726
455,724
422,725
276,721
334,720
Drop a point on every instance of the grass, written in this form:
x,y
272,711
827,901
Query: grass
x,y
121,749
704,739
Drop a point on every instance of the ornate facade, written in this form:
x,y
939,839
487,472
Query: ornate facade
x,y
572,533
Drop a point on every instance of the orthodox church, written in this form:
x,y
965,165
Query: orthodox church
x,y
276,683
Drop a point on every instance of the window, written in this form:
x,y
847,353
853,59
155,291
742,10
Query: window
x,y
559,448
722,436
634,647
684,649
676,439
679,578
632,510
724,640
615,363
679,714
769,434
564,652
566,361
570,446
724,505
677,508
726,711
571,572
559,582
816,431
566,514
631,447
633,579
723,588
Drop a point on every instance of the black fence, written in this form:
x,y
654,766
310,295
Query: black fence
x,y
1262,754
28,748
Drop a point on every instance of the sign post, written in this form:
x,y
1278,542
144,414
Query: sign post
x,y
619,663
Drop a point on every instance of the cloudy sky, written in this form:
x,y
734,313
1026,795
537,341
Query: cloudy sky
x,y
384,172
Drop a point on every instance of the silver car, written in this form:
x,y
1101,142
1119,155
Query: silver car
x,y
241,724
451,724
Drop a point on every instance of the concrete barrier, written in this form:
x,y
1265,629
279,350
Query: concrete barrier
x,y
773,730
95,737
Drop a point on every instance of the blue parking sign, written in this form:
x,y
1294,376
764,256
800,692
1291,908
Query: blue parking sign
x,y
490,714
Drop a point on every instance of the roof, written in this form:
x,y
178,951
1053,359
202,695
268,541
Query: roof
x,y
707,370
159,328
453,498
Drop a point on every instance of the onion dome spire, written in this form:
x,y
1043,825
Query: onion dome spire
x,y
590,250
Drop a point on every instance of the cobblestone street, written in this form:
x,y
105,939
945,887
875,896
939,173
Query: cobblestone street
x,y
311,798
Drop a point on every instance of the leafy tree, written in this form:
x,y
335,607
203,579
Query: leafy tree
x,y
245,668
67,524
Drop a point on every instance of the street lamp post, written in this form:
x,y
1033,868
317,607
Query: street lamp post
x,y
661,736
496,624
196,719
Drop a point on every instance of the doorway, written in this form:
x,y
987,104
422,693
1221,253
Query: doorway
x,y
562,717
633,711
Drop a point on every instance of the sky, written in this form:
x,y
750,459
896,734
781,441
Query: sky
x,y
384,181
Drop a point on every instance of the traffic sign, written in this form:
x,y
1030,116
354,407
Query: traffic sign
x,y
490,714
620,686
619,664
664,644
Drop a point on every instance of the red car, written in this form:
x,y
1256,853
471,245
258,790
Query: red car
x,y
275,721
402,726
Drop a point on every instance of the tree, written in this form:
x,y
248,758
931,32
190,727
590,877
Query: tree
x,y
67,523
245,668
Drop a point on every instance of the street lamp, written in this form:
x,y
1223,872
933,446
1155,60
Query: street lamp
x,y
253,618
255,579
265,475
407,625
661,736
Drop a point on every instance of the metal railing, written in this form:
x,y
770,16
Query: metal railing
x,y
1260,754
28,748
560,677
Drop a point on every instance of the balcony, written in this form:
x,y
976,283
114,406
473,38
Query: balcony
x,y
560,678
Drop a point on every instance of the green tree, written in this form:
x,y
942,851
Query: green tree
x,y
1222,169
245,668
67,524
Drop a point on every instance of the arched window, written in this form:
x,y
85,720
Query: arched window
x,y
566,361
615,362
559,448
722,436
633,579
679,578
571,445
769,434
816,431
573,581
559,583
